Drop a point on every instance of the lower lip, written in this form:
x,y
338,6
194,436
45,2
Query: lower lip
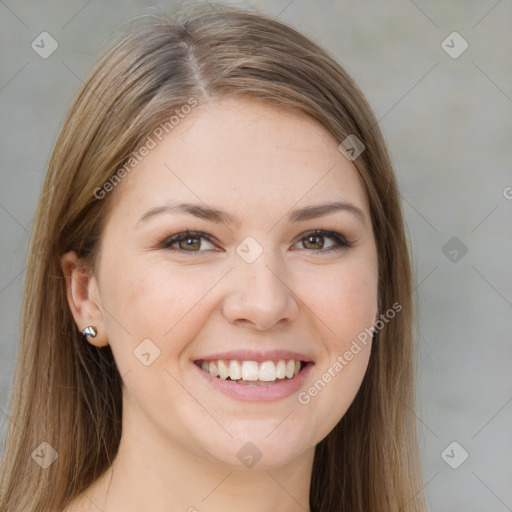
x,y
270,393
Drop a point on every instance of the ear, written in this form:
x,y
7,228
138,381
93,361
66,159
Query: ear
x,y
83,297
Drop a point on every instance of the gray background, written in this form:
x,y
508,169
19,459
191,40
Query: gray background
x,y
448,123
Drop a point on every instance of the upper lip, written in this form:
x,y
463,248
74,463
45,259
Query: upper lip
x,y
252,355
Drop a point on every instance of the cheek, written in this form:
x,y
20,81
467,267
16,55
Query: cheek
x,y
344,301
335,387
153,301
345,306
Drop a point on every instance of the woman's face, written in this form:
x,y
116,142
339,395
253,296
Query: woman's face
x,y
258,286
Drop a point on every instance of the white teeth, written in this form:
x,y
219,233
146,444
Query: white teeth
x,y
290,369
266,371
213,369
281,369
250,370
235,371
223,370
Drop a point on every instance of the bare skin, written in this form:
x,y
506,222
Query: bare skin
x,y
181,436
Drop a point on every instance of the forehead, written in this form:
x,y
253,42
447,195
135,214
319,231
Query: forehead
x,y
244,153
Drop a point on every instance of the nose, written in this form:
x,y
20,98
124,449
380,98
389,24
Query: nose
x,y
259,295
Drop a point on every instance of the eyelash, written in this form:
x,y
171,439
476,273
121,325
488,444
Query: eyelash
x,y
340,242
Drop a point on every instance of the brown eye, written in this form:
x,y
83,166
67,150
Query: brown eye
x,y
190,243
315,241
187,242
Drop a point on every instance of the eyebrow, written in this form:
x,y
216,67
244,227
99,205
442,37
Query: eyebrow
x,y
219,216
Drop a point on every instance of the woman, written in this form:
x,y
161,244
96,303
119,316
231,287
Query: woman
x,y
218,315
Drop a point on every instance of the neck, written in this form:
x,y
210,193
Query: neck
x,y
152,472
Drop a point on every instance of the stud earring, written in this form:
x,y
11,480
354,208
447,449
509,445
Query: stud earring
x,y
89,331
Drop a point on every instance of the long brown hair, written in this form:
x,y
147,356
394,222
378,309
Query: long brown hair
x,y
68,393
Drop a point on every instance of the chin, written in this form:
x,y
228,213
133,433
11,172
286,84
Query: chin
x,y
251,450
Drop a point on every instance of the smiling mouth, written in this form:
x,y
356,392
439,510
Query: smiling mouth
x,y
253,373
